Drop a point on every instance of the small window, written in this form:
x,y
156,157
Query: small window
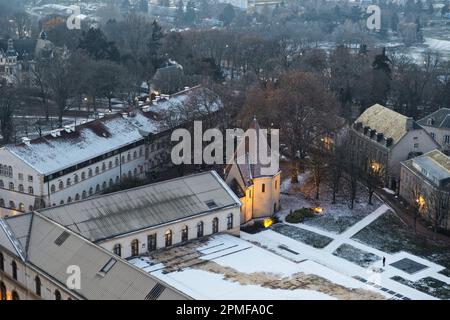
x,y
37,283
263,187
200,229
30,190
215,225
76,179
185,234
11,186
57,295
21,189
135,247
151,242
168,238
20,176
14,270
230,221
53,188
83,175
118,250
61,185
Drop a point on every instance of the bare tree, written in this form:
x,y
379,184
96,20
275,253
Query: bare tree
x,y
373,178
418,203
437,207
7,102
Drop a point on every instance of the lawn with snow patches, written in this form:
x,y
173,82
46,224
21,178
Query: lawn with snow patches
x,y
355,255
308,237
429,286
390,235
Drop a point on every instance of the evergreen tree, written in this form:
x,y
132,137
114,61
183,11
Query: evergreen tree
x,y
381,78
190,17
228,15
179,19
154,45
97,46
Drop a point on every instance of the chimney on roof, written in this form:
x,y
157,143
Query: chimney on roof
x,y
389,142
409,124
380,136
26,141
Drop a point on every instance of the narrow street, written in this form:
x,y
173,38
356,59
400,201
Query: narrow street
x,y
407,217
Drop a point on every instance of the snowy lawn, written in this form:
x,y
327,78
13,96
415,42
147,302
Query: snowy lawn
x,y
389,234
227,267
429,286
336,218
310,238
355,255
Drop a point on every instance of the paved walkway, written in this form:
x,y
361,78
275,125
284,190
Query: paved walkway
x,y
376,277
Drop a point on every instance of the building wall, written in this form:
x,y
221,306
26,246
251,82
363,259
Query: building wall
x,y
407,145
16,196
365,150
412,180
176,227
25,285
439,135
149,159
266,203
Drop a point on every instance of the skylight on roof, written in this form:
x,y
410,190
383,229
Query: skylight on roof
x,y
156,292
62,238
211,204
108,266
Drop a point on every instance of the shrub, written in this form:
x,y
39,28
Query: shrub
x,y
299,215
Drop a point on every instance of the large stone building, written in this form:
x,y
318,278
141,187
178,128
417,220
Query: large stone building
x,y
258,191
425,181
40,259
76,162
144,219
383,138
437,125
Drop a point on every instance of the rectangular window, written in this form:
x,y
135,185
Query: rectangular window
x,y
151,242
447,139
20,176
263,188
416,145
30,178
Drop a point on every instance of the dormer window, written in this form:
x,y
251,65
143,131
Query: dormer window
x,y
430,121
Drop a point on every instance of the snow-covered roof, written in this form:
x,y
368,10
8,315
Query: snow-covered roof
x,y
50,154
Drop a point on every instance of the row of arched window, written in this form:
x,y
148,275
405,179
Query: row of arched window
x,y
96,171
83,177
6,171
12,205
168,236
21,188
14,294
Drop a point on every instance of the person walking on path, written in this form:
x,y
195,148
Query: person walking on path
x,y
384,262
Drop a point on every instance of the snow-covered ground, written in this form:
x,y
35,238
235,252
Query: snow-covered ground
x,y
238,269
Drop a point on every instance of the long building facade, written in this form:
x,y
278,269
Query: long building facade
x,y
75,162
